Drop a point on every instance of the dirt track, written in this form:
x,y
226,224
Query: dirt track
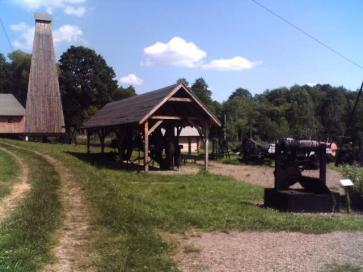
x,y
72,251
18,191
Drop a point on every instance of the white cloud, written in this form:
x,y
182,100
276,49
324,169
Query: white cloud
x,y
78,11
176,52
19,27
70,7
25,40
131,79
233,64
66,33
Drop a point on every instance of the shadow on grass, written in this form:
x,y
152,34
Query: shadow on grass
x,y
109,161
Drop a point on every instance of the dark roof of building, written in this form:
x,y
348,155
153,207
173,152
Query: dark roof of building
x,y
136,108
10,106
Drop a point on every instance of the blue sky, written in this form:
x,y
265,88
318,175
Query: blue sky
x,y
231,43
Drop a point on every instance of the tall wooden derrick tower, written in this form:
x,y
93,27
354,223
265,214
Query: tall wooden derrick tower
x,y
44,113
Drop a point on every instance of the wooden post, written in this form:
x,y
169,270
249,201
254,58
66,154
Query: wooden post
x,y
101,135
347,197
189,146
322,164
146,146
206,135
88,141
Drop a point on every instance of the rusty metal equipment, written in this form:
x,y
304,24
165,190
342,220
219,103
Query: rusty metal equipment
x,y
314,196
254,152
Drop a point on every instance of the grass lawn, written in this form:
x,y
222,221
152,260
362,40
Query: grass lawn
x,y
28,234
9,169
344,268
129,209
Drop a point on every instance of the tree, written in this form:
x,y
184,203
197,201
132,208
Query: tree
x,y
333,112
240,93
183,80
301,114
17,74
87,83
3,73
200,89
122,93
240,113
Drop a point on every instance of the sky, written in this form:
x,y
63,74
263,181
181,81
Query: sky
x,y
231,43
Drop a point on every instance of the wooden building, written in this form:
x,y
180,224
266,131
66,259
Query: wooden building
x,y
141,119
12,115
44,114
190,140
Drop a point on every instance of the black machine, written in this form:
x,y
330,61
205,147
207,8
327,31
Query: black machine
x,y
255,152
314,196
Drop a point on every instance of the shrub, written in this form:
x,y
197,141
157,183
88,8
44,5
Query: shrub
x,y
354,173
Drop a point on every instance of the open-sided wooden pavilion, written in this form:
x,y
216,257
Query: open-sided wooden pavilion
x,y
152,118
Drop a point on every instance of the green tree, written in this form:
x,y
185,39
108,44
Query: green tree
x,y
183,80
333,111
122,93
17,74
240,113
3,73
200,89
87,83
301,114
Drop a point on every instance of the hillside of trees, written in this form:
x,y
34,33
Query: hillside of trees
x,y
87,82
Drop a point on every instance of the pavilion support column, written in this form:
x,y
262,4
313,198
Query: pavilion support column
x,y
88,141
102,136
206,135
146,146
189,146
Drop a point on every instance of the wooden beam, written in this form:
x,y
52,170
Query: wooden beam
x,y
155,126
206,135
180,99
173,117
165,117
146,146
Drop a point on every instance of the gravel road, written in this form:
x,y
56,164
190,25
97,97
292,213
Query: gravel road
x,y
268,251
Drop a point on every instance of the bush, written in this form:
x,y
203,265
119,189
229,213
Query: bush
x,y
354,173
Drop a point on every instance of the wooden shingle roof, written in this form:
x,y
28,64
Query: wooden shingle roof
x,y
10,106
136,109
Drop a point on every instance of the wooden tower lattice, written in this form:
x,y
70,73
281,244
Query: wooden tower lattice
x,y
44,113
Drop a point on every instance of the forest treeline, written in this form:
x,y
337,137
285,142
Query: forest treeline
x,y
87,83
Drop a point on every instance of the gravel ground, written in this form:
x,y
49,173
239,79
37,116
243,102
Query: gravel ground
x,y
268,251
264,175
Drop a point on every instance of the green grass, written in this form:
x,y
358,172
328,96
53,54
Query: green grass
x,y
9,169
344,268
129,209
27,236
